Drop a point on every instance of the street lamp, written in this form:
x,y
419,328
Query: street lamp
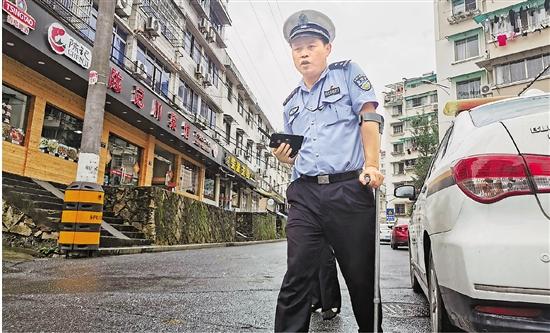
x,y
443,87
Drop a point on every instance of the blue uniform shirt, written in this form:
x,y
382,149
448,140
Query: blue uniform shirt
x,y
328,118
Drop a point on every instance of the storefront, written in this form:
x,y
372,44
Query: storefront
x,y
145,140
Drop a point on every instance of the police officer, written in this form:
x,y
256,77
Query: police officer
x,y
333,108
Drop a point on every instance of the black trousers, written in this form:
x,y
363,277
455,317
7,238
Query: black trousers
x,y
325,291
341,214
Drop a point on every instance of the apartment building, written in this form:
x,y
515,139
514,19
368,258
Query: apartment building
x,y
490,48
404,103
176,114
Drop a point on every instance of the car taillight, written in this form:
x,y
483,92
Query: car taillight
x,y
539,167
489,178
506,311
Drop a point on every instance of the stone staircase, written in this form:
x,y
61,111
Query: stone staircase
x,y
45,208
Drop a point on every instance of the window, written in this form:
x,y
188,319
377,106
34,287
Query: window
x,y
189,178
227,131
14,115
517,71
123,160
466,48
213,117
61,134
210,185
260,122
229,91
195,51
397,110
521,70
239,142
118,50
462,6
204,110
158,76
248,118
248,154
258,157
240,106
213,70
397,129
397,148
399,209
163,169
534,67
398,168
468,89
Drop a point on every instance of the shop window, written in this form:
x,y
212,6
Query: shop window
x,y
123,159
189,178
15,107
61,134
210,185
163,169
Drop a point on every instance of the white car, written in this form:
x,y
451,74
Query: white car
x,y
385,232
480,230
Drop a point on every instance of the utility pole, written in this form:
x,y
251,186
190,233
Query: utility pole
x,y
88,160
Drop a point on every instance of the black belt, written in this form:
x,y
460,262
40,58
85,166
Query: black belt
x,y
334,178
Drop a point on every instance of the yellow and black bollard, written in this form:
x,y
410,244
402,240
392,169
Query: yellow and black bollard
x,y
81,218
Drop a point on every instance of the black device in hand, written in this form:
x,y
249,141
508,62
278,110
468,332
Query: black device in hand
x,y
295,141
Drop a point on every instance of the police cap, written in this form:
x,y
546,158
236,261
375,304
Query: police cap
x,y
309,23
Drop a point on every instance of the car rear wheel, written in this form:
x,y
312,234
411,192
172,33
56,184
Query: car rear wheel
x,y
438,315
394,246
415,285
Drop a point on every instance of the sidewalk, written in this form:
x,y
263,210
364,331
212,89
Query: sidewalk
x,y
167,248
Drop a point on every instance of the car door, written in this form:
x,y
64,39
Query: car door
x,y
421,203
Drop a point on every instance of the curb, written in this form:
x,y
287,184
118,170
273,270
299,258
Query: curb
x,y
107,251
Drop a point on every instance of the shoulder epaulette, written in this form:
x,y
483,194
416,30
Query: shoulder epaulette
x,y
339,64
291,95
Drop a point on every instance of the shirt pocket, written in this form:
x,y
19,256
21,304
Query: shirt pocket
x,y
336,109
298,122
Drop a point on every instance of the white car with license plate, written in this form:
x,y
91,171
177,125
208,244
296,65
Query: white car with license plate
x,y
479,235
385,232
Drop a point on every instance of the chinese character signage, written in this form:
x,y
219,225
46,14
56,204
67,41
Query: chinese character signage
x,y
115,81
18,16
137,97
63,43
240,168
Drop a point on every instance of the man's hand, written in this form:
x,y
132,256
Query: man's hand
x,y
376,178
283,153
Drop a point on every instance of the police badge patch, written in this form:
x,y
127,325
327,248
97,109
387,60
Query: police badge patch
x,y
332,91
362,82
293,111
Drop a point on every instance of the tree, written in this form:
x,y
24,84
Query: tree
x,y
425,137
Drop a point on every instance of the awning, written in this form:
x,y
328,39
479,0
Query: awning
x,y
263,192
504,11
465,34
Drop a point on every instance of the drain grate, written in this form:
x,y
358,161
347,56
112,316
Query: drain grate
x,y
405,310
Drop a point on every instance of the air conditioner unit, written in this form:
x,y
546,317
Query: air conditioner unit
x,y
203,25
207,81
123,8
153,26
140,69
485,89
199,71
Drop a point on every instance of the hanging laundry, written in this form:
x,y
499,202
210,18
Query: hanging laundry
x,y
502,40
512,16
547,5
495,20
523,18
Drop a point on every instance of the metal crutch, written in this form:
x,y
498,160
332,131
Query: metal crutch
x,y
380,120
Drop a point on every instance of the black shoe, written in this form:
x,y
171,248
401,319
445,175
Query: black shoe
x,y
315,308
330,313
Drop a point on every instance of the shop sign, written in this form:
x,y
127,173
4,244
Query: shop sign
x,y
185,129
234,164
115,81
63,43
137,97
172,121
202,142
18,16
156,109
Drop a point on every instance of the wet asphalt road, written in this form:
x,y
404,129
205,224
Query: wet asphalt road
x,y
207,290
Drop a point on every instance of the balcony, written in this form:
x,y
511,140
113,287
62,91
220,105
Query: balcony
x,y
397,153
201,7
393,98
220,9
463,16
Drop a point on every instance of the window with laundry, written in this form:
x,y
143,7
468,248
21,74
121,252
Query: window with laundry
x,y
463,6
15,107
468,89
61,134
466,48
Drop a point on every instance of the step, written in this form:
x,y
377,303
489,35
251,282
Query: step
x,y
43,198
134,234
109,214
112,220
23,189
48,212
48,205
124,227
110,241
20,182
